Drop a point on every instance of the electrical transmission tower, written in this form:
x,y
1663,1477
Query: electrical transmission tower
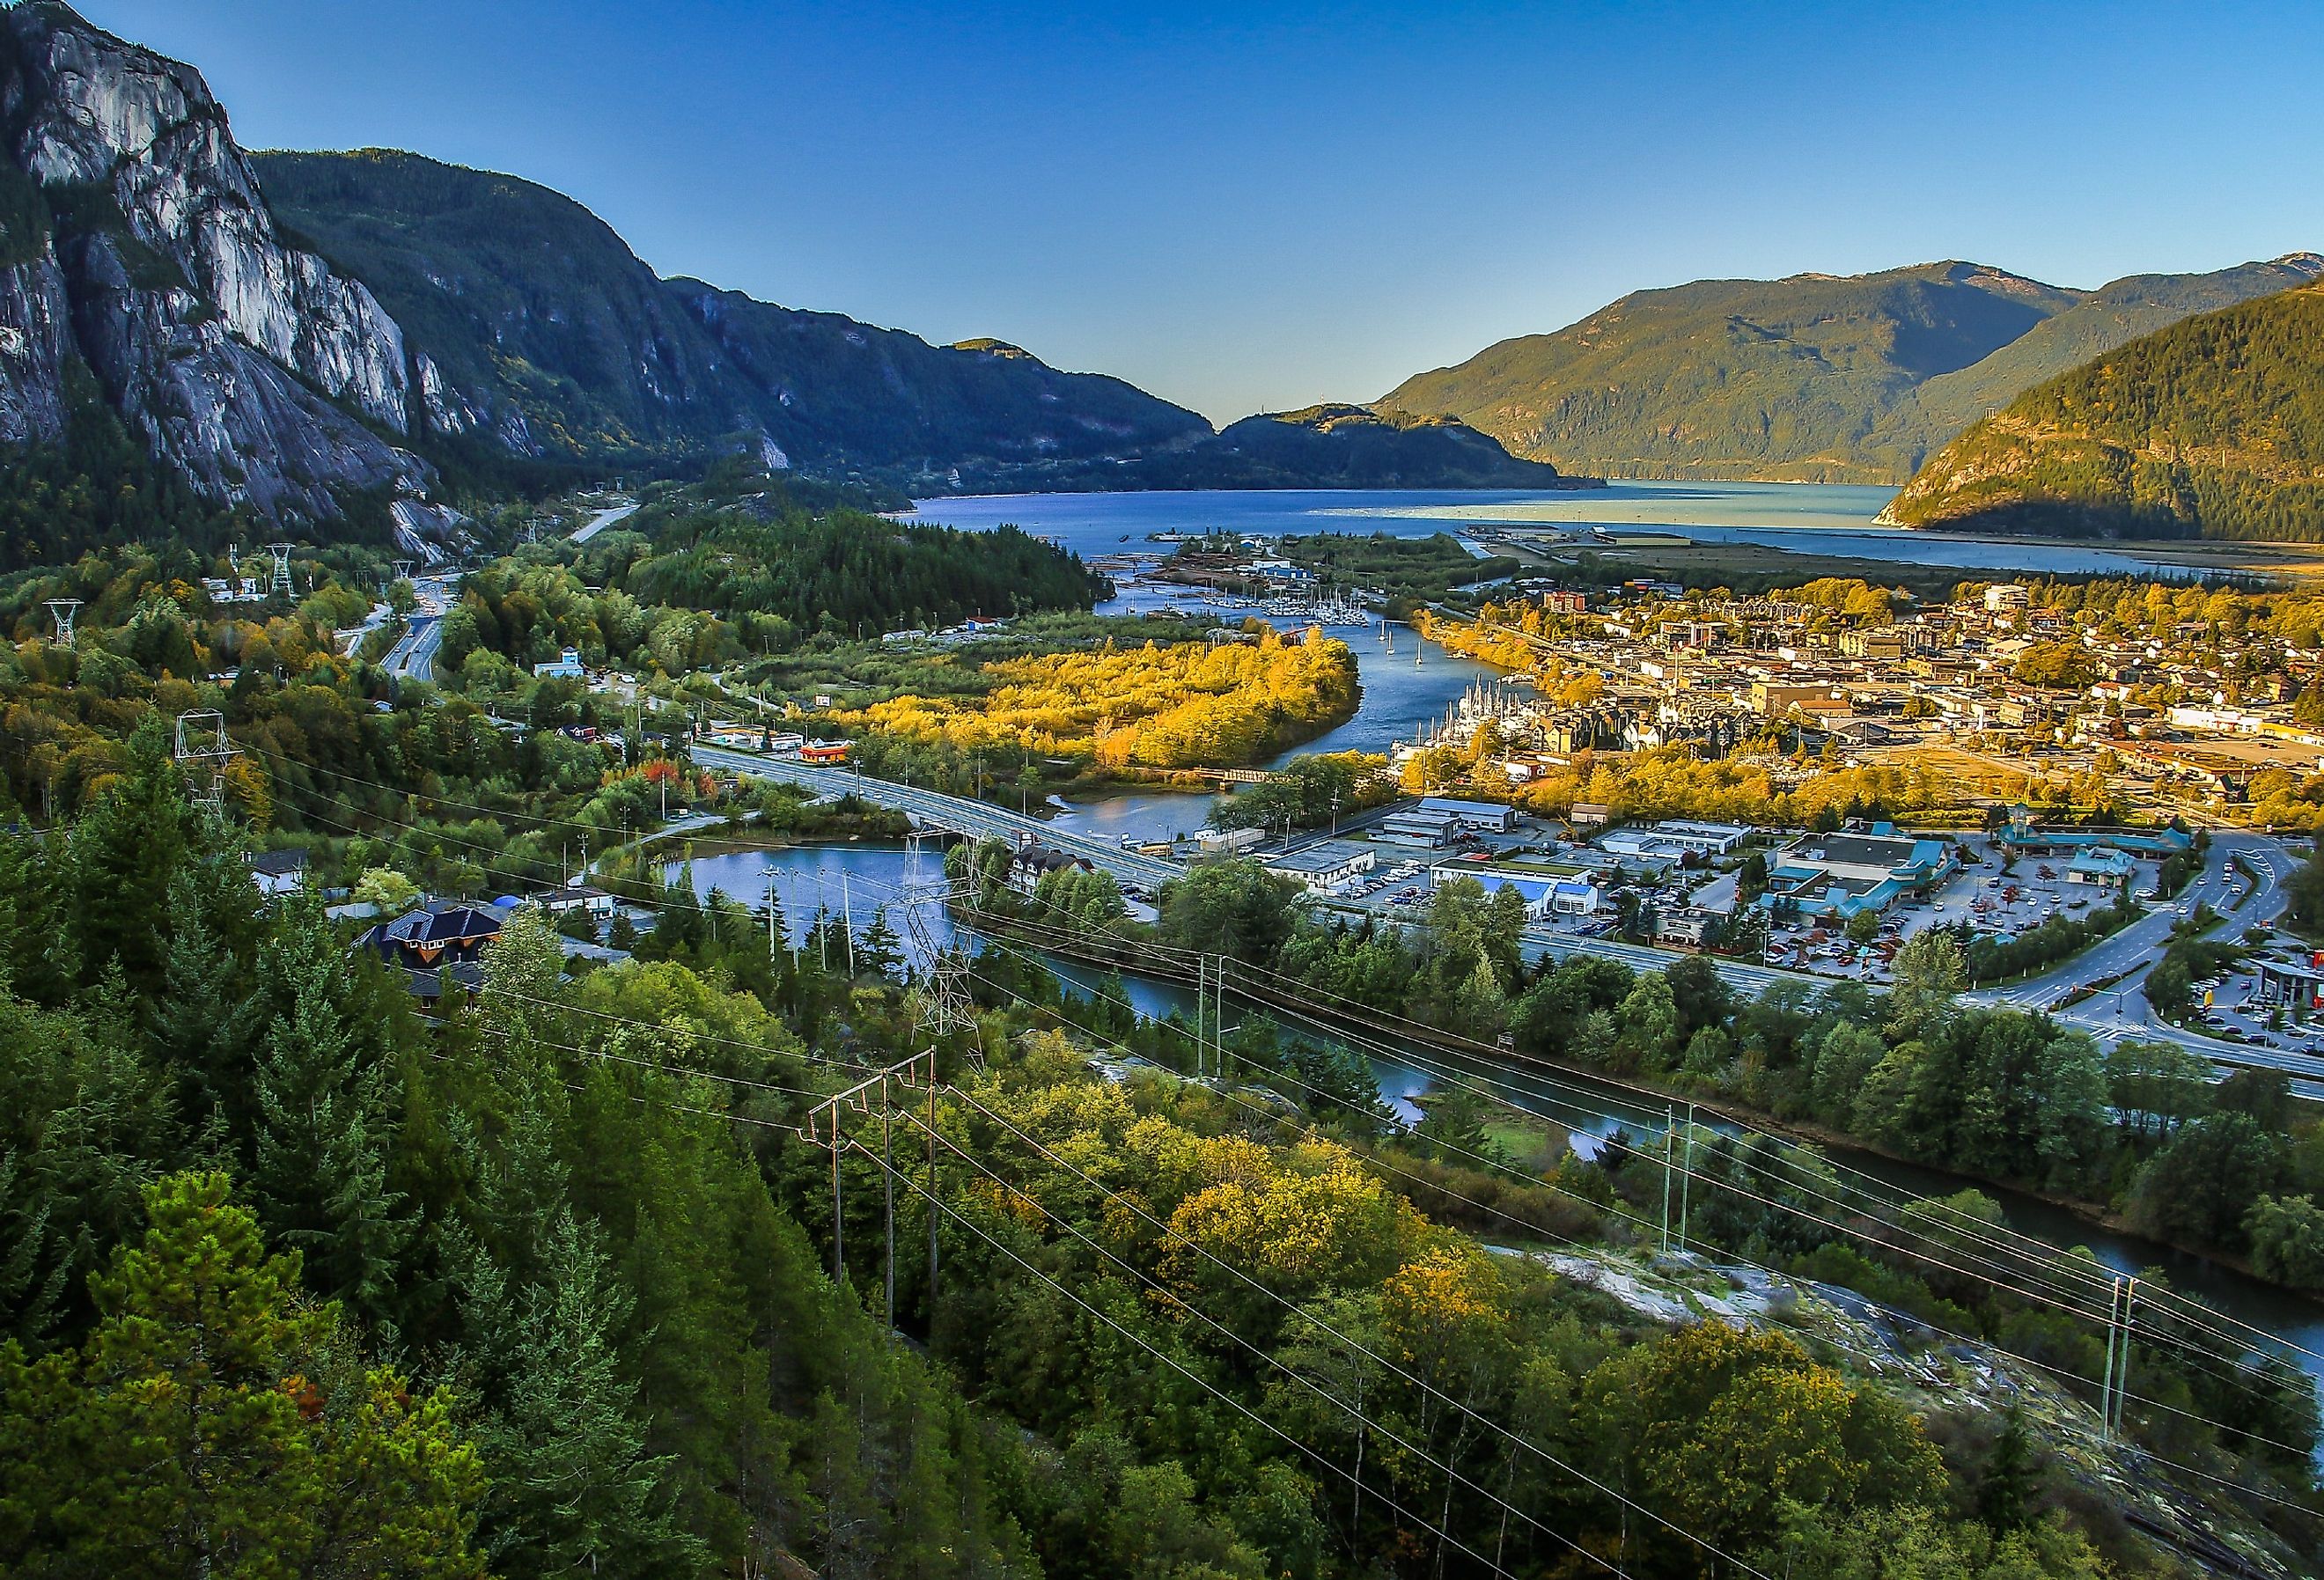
x,y
62,610
281,552
402,568
203,752
942,971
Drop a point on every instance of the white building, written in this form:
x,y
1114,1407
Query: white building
x,y
2007,595
1491,816
1670,840
567,666
1325,867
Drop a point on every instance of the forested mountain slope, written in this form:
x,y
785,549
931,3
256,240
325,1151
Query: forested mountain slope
x,y
1322,447
2111,316
2213,427
1815,377
543,317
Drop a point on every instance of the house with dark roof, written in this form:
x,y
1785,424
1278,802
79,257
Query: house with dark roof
x,y
1029,863
278,871
432,941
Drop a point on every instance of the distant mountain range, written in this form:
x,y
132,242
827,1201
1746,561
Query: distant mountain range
x,y
2212,426
1816,378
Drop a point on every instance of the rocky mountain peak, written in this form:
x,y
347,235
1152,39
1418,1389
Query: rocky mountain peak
x,y
247,363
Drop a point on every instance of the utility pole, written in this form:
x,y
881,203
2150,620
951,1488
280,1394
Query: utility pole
x,y
835,1107
888,1190
1686,1175
202,752
1670,1145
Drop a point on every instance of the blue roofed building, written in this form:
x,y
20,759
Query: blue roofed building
x,y
1840,874
2102,865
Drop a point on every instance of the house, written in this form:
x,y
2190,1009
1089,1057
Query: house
x,y
1031,863
279,871
1325,867
589,901
566,667
2006,597
433,940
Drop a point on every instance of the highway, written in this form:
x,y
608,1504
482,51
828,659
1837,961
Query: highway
x,y
2110,1017
978,820
604,519
413,656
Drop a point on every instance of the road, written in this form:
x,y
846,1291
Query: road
x,y
604,519
978,820
413,656
2142,941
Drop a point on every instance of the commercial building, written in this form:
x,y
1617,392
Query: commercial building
x,y
1840,874
2102,865
1545,893
567,666
1324,867
1490,816
1413,825
2281,981
1670,840
1690,926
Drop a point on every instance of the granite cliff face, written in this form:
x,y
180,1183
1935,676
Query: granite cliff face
x,y
139,250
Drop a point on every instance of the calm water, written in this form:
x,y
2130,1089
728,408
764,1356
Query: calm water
x,y
1801,518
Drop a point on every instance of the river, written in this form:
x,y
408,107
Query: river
x,y
1801,518
869,876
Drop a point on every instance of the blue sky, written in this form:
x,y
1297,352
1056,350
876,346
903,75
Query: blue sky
x,y
1246,207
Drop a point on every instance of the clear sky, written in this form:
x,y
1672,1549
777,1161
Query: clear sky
x,y
1248,207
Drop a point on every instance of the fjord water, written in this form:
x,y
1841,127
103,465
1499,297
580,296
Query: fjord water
x,y
1800,518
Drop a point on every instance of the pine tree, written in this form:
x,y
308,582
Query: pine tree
x,y
573,1487
214,1424
324,1120
195,1025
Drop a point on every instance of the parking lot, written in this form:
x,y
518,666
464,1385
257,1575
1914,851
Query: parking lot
x,y
2237,1013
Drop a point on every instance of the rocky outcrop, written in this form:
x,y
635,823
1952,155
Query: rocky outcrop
x,y
248,364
